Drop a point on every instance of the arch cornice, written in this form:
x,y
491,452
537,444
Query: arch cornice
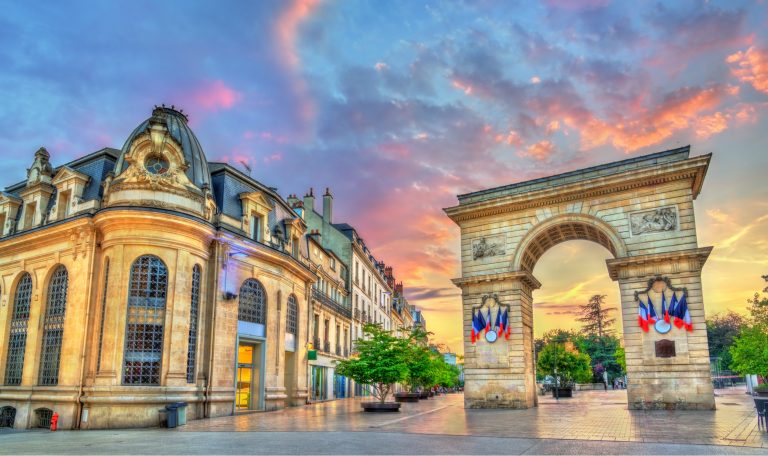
x,y
692,169
620,248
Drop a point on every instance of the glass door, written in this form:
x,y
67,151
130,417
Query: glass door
x,y
245,376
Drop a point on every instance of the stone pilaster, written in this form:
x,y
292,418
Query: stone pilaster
x,y
500,374
682,381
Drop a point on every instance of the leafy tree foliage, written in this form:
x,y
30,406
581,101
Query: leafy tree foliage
x,y
596,318
722,329
380,361
563,361
621,359
750,347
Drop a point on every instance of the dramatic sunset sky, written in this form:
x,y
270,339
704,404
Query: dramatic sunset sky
x,y
400,105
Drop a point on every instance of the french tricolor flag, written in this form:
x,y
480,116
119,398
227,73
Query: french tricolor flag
x,y
478,324
642,316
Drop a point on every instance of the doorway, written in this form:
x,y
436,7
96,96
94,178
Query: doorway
x,y
248,376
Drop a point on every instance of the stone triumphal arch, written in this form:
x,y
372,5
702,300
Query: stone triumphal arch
x,y
641,210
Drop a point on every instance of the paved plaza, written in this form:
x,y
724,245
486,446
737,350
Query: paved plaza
x,y
593,422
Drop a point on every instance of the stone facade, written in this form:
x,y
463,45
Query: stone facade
x,y
163,252
641,210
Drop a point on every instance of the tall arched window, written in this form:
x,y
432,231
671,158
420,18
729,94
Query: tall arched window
x,y
291,315
53,327
145,322
253,302
103,313
17,343
194,312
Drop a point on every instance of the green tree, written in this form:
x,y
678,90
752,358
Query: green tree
x,y
722,329
621,359
750,352
380,361
750,347
563,361
419,361
602,353
596,317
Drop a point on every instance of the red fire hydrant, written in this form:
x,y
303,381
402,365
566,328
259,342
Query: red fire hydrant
x,y
54,421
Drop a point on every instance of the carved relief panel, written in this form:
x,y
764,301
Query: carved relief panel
x,y
654,221
487,247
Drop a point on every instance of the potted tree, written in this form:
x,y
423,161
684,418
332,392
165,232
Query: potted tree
x,y
380,362
566,365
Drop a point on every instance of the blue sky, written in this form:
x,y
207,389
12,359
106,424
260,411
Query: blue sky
x,y
400,105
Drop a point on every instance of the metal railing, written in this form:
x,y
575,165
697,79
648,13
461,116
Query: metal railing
x,y
327,301
338,350
316,343
357,314
327,346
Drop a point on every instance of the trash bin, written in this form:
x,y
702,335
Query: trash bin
x,y
173,415
182,418
163,417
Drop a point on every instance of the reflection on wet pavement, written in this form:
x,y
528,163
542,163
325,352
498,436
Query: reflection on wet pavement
x,y
591,415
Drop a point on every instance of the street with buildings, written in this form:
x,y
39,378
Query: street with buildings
x,y
139,277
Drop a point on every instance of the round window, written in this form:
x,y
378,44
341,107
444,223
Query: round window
x,y
156,164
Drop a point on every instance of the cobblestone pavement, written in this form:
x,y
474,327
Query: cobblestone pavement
x,y
590,415
593,422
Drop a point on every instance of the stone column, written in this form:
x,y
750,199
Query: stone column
x,y
500,374
682,381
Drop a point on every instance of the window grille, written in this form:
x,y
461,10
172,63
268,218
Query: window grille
x,y
292,315
252,302
194,312
18,340
44,416
7,417
145,322
53,327
103,313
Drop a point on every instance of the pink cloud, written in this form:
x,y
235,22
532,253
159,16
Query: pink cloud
x,y
539,151
640,127
286,30
216,95
751,67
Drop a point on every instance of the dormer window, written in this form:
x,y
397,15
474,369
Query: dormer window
x,y
156,164
63,204
29,215
256,228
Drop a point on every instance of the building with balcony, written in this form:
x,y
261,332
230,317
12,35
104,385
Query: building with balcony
x,y
330,323
137,277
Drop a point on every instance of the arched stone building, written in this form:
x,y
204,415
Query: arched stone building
x,y
641,210
133,278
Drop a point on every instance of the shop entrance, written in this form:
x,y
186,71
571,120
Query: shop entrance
x,y
248,393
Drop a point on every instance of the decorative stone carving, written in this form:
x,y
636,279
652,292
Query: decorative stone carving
x,y
653,221
41,170
487,247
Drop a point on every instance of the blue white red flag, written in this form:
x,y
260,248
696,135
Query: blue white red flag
x,y
651,311
664,310
642,316
488,321
500,321
477,326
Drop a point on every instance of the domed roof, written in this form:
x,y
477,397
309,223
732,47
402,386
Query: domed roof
x,y
176,123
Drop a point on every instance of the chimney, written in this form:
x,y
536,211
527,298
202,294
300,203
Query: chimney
x,y
309,200
328,206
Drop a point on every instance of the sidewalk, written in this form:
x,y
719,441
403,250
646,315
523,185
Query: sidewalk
x,y
589,415
593,422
